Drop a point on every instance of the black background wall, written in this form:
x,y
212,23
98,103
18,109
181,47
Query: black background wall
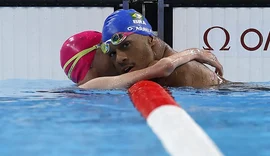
x,y
184,3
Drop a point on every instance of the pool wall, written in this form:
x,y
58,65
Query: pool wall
x,y
32,36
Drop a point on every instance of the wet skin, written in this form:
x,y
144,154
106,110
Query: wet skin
x,y
138,52
101,66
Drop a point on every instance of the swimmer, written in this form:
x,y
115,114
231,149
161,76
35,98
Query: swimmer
x,y
129,41
86,65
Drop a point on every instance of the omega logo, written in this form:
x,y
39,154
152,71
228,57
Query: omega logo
x,y
225,46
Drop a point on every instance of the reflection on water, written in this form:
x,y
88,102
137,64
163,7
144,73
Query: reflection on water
x,y
236,116
48,117
244,87
56,118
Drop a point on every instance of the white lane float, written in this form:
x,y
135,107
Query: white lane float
x,y
177,131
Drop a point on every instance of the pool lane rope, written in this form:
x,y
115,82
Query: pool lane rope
x,y
177,131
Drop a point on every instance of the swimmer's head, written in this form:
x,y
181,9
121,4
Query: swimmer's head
x,y
77,54
129,21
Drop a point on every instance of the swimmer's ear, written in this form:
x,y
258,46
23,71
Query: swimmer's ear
x,y
152,40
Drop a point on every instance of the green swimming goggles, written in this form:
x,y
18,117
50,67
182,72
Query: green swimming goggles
x,y
116,39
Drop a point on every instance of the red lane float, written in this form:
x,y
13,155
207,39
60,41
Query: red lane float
x,y
178,132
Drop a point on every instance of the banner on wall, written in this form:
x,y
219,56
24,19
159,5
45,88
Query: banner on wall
x,y
239,37
263,42
223,30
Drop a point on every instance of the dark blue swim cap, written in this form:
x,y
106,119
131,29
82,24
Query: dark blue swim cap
x,y
125,21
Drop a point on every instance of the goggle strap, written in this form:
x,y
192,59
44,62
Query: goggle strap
x,y
77,57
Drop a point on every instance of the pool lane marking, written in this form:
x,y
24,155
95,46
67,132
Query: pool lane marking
x,y
177,131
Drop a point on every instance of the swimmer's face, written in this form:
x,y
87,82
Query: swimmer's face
x,y
102,66
134,53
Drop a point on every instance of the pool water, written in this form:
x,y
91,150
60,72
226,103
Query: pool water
x,y
49,117
236,118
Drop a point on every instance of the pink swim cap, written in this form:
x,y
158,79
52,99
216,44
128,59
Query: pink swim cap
x,y
77,54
